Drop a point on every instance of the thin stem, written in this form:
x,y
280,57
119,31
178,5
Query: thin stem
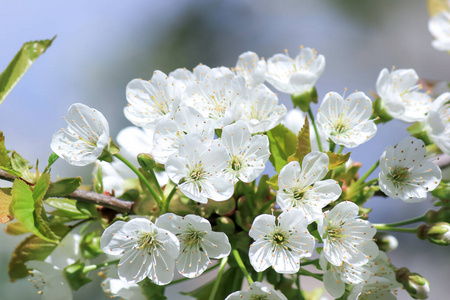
x,y
141,177
186,278
155,180
389,228
406,222
319,143
310,262
267,205
167,201
98,266
367,174
297,283
332,146
241,265
341,148
310,274
370,182
260,277
223,263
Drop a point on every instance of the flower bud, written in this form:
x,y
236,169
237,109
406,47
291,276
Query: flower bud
x,y
417,286
439,234
442,215
386,242
146,161
303,100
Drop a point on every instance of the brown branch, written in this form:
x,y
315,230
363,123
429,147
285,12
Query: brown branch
x,y
89,197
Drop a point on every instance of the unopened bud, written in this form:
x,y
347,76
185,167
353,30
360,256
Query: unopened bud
x,y
386,242
439,234
442,215
416,285
303,100
146,161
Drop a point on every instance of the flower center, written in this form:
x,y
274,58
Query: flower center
x,y
258,297
279,239
236,163
334,232
192,237
398,175
340,126
147,241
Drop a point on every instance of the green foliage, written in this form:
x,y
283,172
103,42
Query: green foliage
x,y
152,291
6,213
90,245
231,279
337,160
225,224
442,191
20,165
51,160
379,111
4,158
16,228
29,210
303,143
219,207
63,187
98,180
283,143
75,275
273,182
303,100
146,161
23,60
418,130
66,208
32,248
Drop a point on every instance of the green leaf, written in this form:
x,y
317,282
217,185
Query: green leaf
x,y
29,210
16,228
152,291
20,165
380,112
442,191
225,287
65,208
303,100
63,187
219,207
90,245
98,180
337,159
263,189
273,182
20,64
419,131
303,143
283,143
32,248
51,160
6,213
4,158
75,275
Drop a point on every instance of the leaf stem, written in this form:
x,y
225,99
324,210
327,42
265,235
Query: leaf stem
x,y
370,182
223,263
332,146
260,277
319,143
309,262
241,265
141,177
367,174
341,148
389,228
406,222
167,201
297,283
310,274
267,205
98,266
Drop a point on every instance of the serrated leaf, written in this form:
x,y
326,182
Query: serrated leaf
x,y
303,143
437,6
6,214
4,158
51,160
20,165
16,228
23,60
29,211
32,248
12,172
65,208
63,187
337,159
283,143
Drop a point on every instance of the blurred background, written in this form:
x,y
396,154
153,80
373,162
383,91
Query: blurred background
x,y
102,45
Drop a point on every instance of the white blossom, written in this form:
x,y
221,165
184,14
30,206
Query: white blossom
x,y
168,133
399,91
336,276
251,68
302,188
123,289
438,122
49,280
153,100
280,242
247,154
439,26
85,137
198,243
261,110
198,169
147,250
187,79
405,173
257,291
346,121
298,75
345,237
375,288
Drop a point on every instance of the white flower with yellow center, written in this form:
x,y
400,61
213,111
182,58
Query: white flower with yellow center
x,y
438,122
198,243
345,237
198,169
188,78
405,173
302,188
153,100
257,291
261,110
280,242
346,121
85,137
168,133
251,68
146,250
295,75
247,154
336,276
439,26
399,91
